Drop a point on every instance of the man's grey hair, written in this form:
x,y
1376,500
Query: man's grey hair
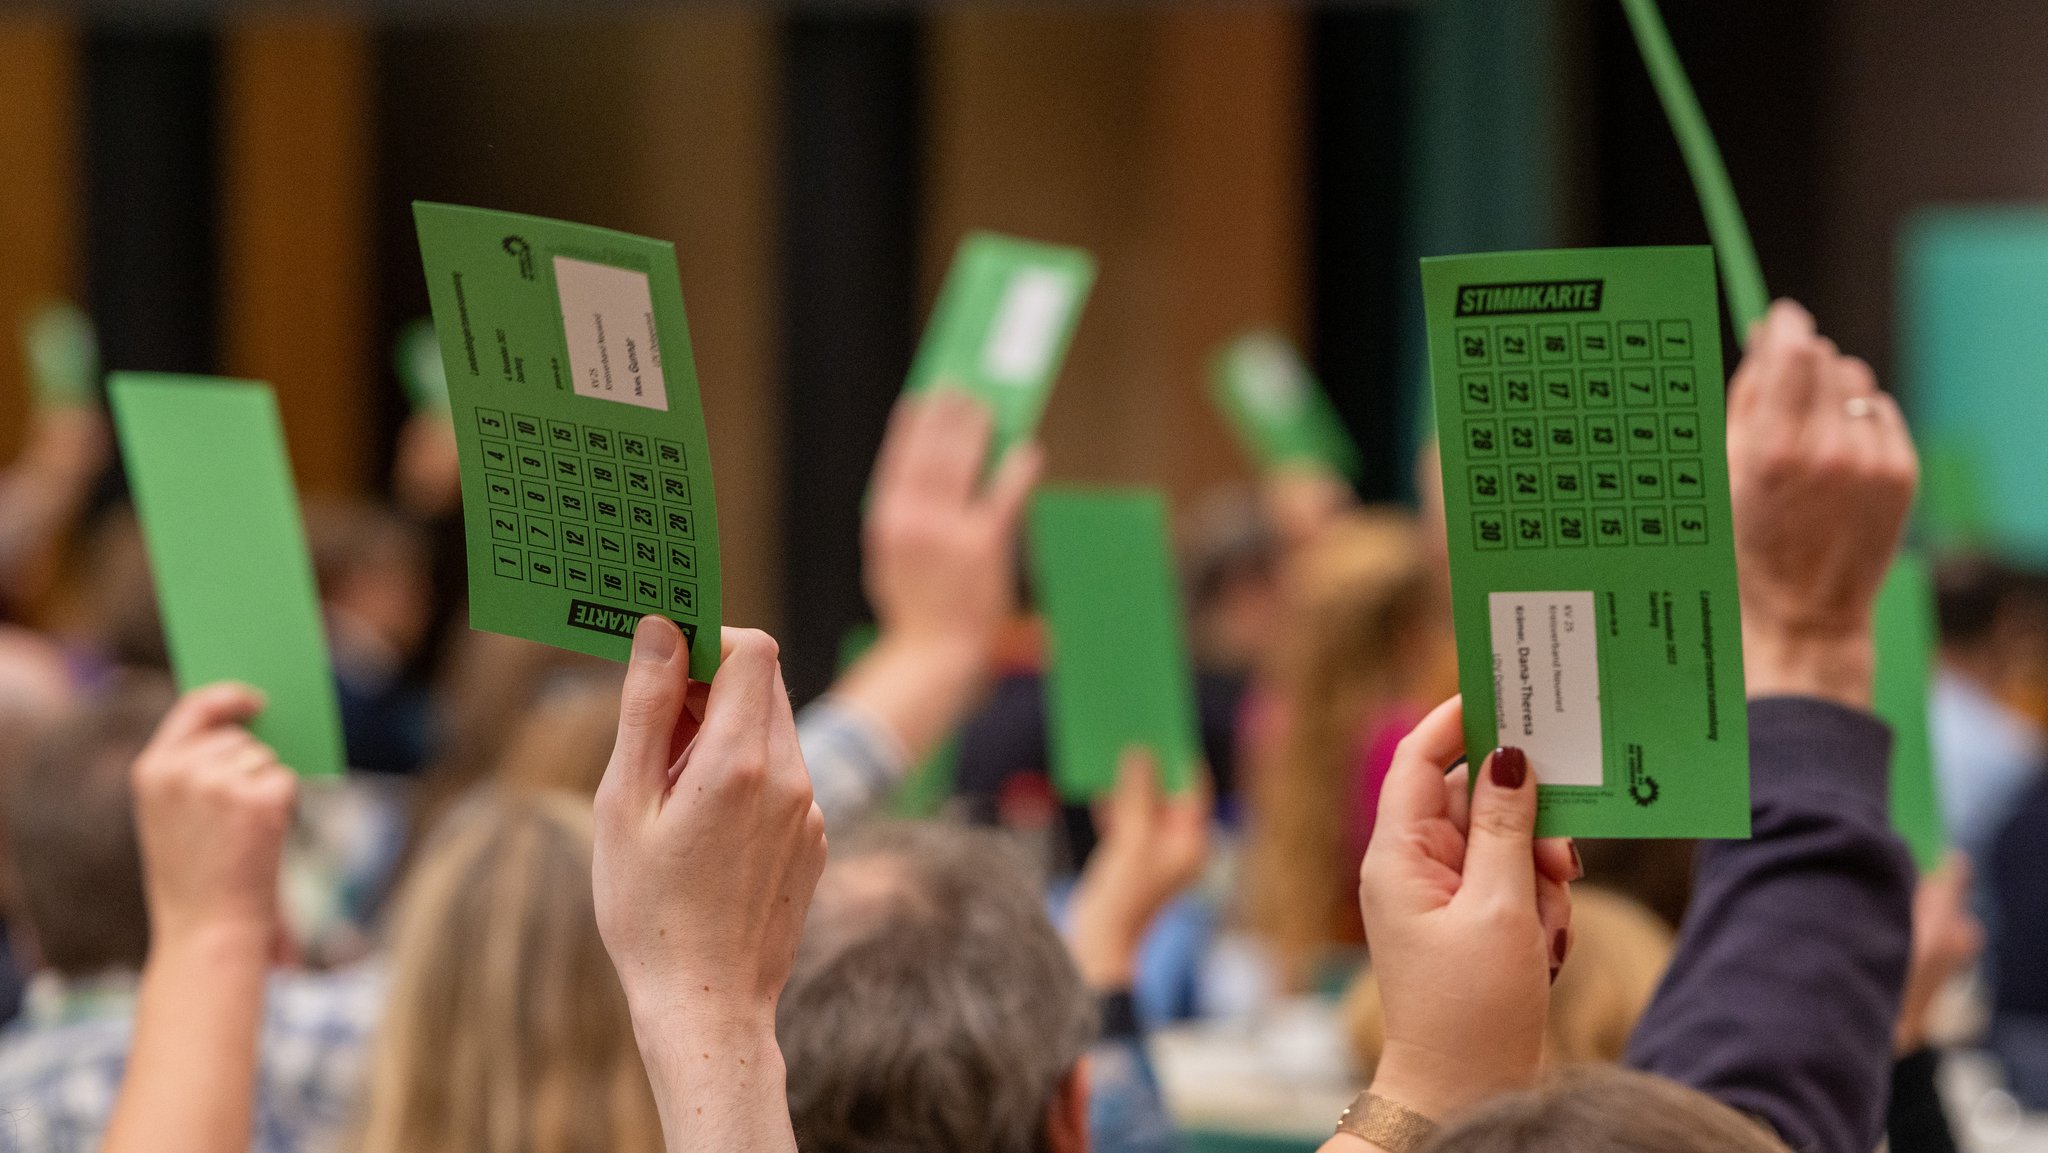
x,y
933,1006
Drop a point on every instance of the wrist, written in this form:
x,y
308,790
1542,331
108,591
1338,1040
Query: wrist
x,y
212,942
1441,1091
1831,664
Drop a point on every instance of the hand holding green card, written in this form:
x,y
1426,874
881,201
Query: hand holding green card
x,y
213,489
1001,328
586,472
1277,408
63,356
1119,677
1585,467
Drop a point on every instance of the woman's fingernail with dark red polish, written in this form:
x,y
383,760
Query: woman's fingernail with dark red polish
x,y
1510,767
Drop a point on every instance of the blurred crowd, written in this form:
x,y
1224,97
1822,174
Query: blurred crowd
x,y
471,942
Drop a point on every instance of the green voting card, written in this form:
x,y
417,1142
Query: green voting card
x,y
1118,676
1001,327
1579,398
1973,294
1277,408
63,355
1906,642
1740,273
586,476
213,489
417,358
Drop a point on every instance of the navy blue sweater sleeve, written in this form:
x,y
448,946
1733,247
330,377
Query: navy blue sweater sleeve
x,y
1782,996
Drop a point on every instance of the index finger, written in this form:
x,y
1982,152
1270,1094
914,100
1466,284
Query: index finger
x,y
207,707
1414,786
743,699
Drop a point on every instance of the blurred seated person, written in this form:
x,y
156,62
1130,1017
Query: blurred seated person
x,y
506,1027
86,927
1362,640
1987,751
376,598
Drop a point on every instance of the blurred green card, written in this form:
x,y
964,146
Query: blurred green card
x,y
63,355
417,358
1001,328
1585,471
1277,408
1973,292
1906,640
1118,678
586,473
213,488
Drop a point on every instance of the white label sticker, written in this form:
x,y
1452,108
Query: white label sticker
x,y
1027,322
1546,683
1269,379
608,317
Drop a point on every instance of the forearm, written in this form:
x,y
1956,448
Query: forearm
x,y
917,689
1783,993
719,1084
191,1076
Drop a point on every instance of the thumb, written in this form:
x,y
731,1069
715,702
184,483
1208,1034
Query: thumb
x,y
650,704
1500,847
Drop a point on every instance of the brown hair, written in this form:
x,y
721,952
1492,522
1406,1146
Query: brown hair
x,y
1607,1110
1619,952
1359,604
71,833
932,1005
506,1030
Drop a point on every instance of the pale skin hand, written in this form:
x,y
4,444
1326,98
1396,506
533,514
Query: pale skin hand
x,y
212,806
1946,940
1153,847
708,849
940,554
1468,917
1820,501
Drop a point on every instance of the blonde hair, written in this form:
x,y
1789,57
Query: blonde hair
x,y
506,1029
1358,605
1619,952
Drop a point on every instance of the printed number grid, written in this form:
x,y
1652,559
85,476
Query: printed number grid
x,y
1582,434
591,510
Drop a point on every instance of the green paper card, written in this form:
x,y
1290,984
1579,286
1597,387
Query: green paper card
x,y
213,489
1906,640
586,475
1118,675
1740,273
1277,408
1001,327
417,357
1585,472
63,356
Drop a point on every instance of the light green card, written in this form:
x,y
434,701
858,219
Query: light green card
x,y
1906,640
1973,292
63,355
213,489
416,355
1118,676
1001,327
1278,410
1741,275
1585,470
586,476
